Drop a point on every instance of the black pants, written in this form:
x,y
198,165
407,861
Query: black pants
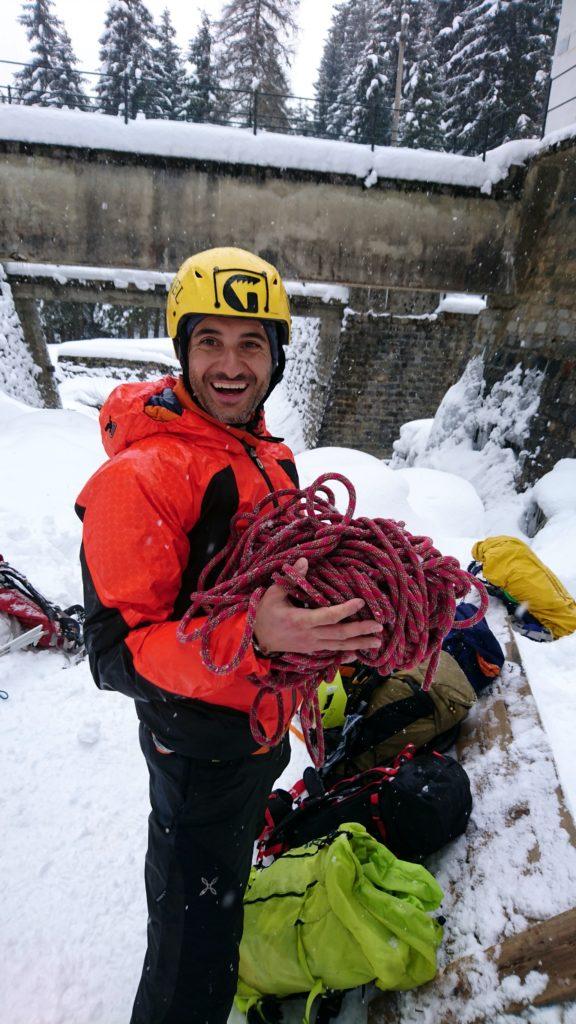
x,y
205,818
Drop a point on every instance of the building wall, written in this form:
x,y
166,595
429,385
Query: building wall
x,y
562,102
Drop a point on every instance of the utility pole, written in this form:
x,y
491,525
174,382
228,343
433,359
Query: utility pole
x,y
402,37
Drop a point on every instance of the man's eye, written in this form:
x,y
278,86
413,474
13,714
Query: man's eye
x,y
208,341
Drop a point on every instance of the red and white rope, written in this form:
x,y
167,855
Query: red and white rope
x,y
405,582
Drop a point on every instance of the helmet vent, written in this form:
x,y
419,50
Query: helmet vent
x,y
198,274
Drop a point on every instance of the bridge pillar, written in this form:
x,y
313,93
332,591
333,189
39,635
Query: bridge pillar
x,y
28,315
392,368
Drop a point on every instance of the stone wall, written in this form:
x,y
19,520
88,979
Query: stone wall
x,y
537,328
391,369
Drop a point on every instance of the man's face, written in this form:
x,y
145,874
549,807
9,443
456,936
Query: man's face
x,y
230,366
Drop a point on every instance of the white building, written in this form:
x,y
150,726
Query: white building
x,y
562,102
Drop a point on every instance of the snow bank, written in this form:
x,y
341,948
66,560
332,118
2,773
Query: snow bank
x,y
449,504
18,372
141,350
380,492
556,491
479,437
550,669
240,146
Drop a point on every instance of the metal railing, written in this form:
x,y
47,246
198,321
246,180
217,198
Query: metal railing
x,y
285,113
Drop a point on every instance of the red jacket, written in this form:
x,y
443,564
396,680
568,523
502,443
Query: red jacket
x,y
153,516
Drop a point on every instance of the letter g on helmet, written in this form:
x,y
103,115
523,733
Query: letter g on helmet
x,y
228,282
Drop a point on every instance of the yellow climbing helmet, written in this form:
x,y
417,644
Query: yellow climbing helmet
x,y
228,282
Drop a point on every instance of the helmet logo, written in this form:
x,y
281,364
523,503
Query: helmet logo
x,y
245,292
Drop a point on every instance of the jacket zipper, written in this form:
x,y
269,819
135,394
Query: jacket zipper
x,y
260,466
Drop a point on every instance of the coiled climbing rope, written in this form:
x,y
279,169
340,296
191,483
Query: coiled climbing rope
x,y
405,582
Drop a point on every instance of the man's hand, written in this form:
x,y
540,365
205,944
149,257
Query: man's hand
x,y
280,626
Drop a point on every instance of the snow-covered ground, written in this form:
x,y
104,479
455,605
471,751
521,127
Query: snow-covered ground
x,y
74,795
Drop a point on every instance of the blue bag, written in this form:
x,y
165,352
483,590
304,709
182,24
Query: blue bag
x,y
476,650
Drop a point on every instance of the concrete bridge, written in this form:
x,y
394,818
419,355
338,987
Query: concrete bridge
x,y
82,201
74,205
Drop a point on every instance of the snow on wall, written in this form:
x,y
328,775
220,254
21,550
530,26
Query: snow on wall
x,y
240,146
301,377
18,372
149,280
478,436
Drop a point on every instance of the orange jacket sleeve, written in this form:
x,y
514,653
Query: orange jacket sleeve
x,y
137,517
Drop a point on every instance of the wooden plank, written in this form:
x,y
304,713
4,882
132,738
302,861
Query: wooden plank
x,y
547,948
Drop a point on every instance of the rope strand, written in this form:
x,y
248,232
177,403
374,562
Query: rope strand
x,y
405,582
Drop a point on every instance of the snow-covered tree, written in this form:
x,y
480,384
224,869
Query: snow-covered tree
x,y
422,124
332,65
202,95
368,94
253,40
51,78
497,73
127,58
354,26
168,79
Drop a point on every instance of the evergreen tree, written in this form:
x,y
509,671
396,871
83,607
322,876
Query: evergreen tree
x,y
422,124
332,66
168,79
51,79
254,53
354,26
498,71
202,98
369,92
127,59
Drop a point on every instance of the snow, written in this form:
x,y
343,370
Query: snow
x,y
141,350
460,302
148,280
18,373
268,149
75,784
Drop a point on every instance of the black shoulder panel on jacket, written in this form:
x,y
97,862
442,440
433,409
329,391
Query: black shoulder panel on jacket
x,y
210,534
289,468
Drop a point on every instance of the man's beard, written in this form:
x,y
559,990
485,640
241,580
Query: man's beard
x,y
242,417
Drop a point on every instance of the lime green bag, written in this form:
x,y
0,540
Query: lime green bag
x,y
334,914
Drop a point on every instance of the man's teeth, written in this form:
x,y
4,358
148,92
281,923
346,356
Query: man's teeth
x,y
229,387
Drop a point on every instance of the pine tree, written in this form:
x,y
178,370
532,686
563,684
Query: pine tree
x,y
369,91
168,79
422,124
332,66
127,59
254,53
202,97
51,79
498,70
355,21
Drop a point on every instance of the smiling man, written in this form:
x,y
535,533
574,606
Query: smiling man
x,y
185,455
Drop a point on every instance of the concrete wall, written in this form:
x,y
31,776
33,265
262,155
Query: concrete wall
x,y
537,327
392,369
76,206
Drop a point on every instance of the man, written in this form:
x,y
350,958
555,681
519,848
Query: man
x,y
185,456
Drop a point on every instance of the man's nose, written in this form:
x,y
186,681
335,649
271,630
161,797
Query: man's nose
x,y
230,363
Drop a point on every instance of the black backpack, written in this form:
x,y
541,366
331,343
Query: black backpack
x,y
414,807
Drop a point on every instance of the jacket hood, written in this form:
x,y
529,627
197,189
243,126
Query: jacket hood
x,y
136,411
